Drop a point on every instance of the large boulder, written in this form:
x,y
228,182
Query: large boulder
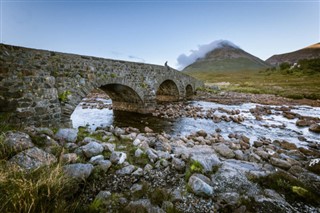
x,y
78,171
199,186
67,134
15,142
33,158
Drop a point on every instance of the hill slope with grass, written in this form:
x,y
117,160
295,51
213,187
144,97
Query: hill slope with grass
x,y
225,58
310,52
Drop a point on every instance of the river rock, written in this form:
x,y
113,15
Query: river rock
x,y
280,163
138,172
67,134
206,157
200,187
127,170
15,142
232,177
118,157
93,160
118,131
143,205
104,165
239,154
138,153
103,196
287,145
78,171
152,155
148,130
92,149
33,158
315,128
302,122
224,150
201,133
109,147
178,164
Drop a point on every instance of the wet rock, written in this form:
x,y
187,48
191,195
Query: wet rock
x,y
33,158
224,151
264,155
239,155
143,205
178,164
78,171
302,122
280,163
245,139
315,128
200,187
253,157
118,157
92,149
201,133
162,146
69,158
15,142
127,170
67,134
257,144
148,130
287,145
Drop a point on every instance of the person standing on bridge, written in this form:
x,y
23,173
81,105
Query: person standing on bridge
x,y
166,65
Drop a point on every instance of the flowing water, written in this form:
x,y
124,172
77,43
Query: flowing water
x,y
273,126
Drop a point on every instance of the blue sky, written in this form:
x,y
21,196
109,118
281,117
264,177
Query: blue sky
x,y
159,30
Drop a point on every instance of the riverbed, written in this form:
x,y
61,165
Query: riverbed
x,y
273,126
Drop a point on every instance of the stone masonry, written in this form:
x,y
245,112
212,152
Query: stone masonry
x,y
42,88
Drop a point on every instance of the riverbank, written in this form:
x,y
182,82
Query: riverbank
x,y
141,169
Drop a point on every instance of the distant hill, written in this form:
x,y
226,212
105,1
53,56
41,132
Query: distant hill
x,y
309,52
226,58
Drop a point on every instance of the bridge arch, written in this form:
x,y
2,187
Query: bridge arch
x,y
123,97
189,91
167,91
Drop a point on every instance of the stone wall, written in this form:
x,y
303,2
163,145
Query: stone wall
x,y
42,88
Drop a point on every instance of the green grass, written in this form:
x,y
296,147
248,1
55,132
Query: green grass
x,y
295,85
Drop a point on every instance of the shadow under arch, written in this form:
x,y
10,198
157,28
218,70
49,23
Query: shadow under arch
x,y
189,92
167,91
123,98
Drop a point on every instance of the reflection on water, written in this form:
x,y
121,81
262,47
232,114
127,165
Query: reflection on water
x,y
184,126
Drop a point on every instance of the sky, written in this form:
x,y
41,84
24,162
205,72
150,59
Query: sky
x,y
155,31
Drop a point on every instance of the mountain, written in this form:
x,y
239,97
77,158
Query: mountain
x,y
226,58
309,52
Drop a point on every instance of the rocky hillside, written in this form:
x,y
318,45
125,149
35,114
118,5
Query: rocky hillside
x,y
226,58
309,52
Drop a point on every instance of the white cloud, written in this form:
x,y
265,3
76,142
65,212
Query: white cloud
x,y
185,60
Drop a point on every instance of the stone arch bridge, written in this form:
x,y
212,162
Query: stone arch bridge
x,y
42,88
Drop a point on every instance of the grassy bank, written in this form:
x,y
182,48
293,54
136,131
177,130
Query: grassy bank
x,y
295,84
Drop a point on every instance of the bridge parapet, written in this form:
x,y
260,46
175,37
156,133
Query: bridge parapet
x,y
42,88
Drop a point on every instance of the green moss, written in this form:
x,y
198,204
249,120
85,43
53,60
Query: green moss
x,y
113,75
63,97
193,167
82,133
293,189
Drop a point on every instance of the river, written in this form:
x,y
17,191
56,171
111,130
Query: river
x,y
273,126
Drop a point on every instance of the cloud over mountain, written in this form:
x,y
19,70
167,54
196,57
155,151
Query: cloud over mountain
x,y
184,60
